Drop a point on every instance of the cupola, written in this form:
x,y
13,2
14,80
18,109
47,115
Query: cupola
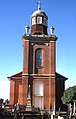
x,y
39,21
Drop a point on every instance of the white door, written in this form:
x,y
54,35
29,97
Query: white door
x,y
38,92
39,102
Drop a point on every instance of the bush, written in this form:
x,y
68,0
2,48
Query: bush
x,y
5,112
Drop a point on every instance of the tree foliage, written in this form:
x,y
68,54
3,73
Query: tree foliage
x,y
69,95
1,101
6,101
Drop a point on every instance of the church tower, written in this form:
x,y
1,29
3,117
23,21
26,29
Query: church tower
x,y
39,22
39,61
39,67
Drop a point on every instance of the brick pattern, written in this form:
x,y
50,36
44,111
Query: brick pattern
x,y
24,90
38,29
53,87
25,56
19,87
15,91
12,90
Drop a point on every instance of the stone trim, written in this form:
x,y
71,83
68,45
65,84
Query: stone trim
x,y
39,75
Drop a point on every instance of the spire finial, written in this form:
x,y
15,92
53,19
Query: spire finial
x,y
39,5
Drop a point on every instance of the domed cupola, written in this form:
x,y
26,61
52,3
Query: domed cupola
x,y
39,21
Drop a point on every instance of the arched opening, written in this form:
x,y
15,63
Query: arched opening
x,y
39,57
38,92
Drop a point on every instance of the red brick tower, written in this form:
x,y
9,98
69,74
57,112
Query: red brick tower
x,y
39,65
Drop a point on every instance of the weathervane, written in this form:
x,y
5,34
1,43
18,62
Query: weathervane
x,y
39,5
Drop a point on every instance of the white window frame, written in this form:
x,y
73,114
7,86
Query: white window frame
x,y
33,20
39,20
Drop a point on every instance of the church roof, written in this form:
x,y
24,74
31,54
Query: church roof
x,y
59,76
39,12
19,75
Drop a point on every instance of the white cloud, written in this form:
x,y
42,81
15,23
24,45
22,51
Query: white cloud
x,y
4,89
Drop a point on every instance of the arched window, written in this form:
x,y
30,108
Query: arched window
x,y
38,57
38,89
38,93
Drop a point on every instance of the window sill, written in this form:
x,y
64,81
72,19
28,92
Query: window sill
x,y
40,67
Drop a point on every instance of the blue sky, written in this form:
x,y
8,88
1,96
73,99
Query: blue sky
x,y
15,14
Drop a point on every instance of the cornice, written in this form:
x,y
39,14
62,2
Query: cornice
x,y
39,38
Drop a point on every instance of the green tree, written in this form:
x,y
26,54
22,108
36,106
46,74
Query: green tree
x,y
1,101
6,101
69,95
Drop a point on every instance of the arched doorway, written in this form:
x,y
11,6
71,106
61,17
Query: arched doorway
x,y
38,92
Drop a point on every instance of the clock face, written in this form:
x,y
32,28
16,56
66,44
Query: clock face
x,y
39,20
